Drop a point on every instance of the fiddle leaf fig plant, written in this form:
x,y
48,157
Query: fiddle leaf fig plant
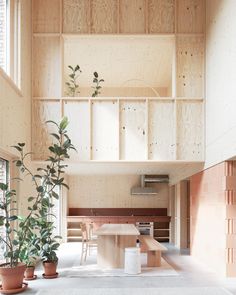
x,y
72,84
97,88
22,242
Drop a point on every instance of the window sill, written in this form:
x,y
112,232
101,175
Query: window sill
x,y
11,82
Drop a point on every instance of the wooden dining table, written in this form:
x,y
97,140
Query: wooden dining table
x,y
112,241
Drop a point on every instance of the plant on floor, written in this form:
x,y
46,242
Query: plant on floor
x,y
46,181
97,88
73,85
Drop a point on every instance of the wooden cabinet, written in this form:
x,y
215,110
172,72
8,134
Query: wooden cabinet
x,y
117,215
73,231
162,231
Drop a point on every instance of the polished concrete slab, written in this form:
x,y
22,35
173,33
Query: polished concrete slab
x,y
192,274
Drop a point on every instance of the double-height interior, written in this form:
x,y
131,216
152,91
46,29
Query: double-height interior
x,y
156,147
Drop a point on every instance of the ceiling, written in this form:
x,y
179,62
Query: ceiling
x,y
177,170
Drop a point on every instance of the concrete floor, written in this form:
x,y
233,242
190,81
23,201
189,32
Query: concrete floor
x,y
191,274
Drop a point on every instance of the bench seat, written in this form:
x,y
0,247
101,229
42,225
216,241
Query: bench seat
x,y
153,248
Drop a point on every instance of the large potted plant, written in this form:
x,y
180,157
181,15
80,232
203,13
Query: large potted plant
x,y
49,245
46,181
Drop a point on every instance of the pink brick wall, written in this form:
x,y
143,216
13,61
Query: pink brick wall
x,y
213,217
208,214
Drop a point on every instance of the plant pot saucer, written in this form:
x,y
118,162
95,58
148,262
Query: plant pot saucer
x,y
31,279
14,291
51,277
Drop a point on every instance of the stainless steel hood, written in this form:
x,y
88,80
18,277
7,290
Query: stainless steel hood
x,y
148,190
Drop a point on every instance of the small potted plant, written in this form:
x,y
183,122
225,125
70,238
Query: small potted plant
x,y
12,271
29,254
49,245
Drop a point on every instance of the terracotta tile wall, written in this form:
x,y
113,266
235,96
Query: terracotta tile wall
x,y
213,217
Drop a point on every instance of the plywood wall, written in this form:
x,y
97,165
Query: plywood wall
x,y
174,54
220,81
112,192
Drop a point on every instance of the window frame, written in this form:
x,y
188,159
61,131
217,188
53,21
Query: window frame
x,y
12,73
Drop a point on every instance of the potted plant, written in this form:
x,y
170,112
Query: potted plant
x,y
45,182
29,254
49,245
12,271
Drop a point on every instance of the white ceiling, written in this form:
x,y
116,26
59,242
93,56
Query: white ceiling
x,y
123,61
176,170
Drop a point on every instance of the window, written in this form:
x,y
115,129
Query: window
x,y
10,38
4,177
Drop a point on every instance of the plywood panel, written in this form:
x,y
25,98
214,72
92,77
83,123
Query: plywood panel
x,y
161,16
78,114
43,110
190,66
190,16
76,16
161,141
190,142
123,61
46,67
132,16
133,130
105,130
104,16
46,16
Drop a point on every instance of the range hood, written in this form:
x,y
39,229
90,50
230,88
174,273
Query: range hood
x,y
144,190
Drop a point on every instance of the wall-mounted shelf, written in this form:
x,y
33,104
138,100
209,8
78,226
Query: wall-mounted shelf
x,y
163,129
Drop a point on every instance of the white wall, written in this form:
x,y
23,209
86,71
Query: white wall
x,y
220,81
15,118
105,191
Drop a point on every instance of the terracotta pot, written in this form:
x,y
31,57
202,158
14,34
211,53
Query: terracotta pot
x,y
29,272
50,268
12,277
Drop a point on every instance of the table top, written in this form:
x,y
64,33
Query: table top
x,y
109,229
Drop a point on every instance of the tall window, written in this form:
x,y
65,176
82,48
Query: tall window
x,y
10,24
4,177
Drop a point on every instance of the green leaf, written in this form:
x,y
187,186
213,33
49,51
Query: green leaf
x,y
55,195
95,74
3,186
21,144
18,163
13,217
40,189
65,185
17,148
55,135
64,123
30,199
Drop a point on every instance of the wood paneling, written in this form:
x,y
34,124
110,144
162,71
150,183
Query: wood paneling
x,y
41,112
190,16
161,142
46,16
133,130
104,16
189,131
46,67
117,211
78,113
161,15
105,130
76,16
132,16
190,66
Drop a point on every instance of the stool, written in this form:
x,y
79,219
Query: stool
x,y
132,261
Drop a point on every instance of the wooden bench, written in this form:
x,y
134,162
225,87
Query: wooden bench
x,y
153,248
